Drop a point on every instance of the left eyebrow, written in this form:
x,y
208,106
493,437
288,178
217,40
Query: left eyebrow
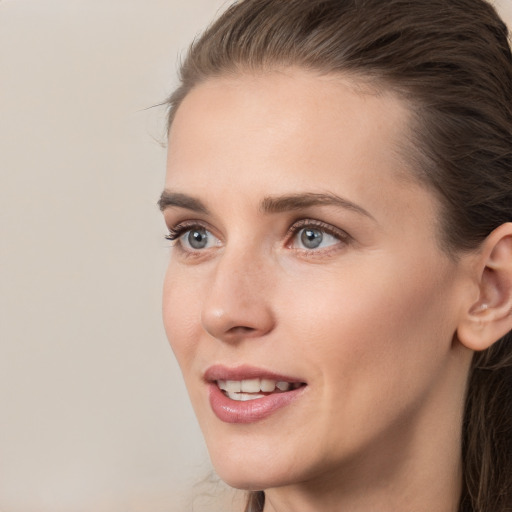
x,y
291,202
178,200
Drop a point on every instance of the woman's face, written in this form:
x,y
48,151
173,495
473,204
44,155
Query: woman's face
x,y
306,259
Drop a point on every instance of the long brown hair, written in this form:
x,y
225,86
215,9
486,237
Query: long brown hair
x,y
451,61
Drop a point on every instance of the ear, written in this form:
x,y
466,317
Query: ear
x,y
489,318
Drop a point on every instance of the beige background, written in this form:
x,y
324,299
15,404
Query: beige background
x,y
94,416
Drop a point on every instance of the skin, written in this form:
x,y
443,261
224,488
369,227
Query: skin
x,y
367,320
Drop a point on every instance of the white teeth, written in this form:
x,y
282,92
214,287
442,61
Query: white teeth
x,y
283,386
254,387
250,385
232,386
267,385
244,397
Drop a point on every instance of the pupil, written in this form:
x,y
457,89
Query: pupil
x,y
198,238
311,238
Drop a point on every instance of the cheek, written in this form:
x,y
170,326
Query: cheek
x,y
373,347
376,333
181,311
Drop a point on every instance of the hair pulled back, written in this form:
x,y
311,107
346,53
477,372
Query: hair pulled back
x,y
451,61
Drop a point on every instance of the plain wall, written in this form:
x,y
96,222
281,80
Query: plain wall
x,y
94,416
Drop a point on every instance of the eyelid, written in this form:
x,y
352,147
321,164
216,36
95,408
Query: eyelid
x,y
338,233
176,231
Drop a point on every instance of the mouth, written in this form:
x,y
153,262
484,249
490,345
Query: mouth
x,y
246,394
253,389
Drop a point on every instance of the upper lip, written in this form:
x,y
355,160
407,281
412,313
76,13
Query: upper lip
x,y
243,372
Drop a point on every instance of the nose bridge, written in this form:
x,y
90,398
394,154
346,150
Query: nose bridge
x,y
238,300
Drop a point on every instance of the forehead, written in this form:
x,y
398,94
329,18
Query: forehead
x,y
267,132
292,109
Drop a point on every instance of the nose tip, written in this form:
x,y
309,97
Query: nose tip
x,y
225,325
237,305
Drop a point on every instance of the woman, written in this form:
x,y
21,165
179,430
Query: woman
x,y
339,292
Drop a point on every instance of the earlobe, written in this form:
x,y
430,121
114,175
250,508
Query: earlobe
x,y
489,318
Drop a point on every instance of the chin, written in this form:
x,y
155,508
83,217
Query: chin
x,y
248,481
251,473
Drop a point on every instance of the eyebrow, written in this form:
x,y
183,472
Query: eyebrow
x,y
271,204
300,201
170,199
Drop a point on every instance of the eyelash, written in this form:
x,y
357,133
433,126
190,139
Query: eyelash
x,y
179,230
176,232
337,233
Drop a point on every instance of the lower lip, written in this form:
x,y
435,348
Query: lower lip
x,y
250,411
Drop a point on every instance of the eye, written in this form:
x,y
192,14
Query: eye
x,y
196,238
192,238
315,235
314,238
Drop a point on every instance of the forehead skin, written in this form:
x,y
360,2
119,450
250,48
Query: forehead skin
x,y
387,110
261,122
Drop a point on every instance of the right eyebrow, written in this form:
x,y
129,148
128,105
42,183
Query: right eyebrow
x,y
276,204
169,199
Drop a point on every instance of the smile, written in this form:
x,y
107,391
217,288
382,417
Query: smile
x,y
253,389
247,394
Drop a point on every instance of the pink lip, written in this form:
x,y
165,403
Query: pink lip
x,y
220,372
232,411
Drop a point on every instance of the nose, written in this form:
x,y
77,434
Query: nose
x,y
237,304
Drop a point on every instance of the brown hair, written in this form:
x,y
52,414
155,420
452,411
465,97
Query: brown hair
x,y
451,61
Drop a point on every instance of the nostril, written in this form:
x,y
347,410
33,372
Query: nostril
x,y
241,329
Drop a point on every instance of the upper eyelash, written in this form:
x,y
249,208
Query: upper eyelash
x,y
176,231
318,224
172,235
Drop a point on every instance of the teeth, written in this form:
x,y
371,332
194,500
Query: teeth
x,y
232,386
250,385
283,386
242,387
267,385
244,397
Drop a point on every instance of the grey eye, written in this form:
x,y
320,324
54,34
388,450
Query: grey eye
x,y
311,238
197,238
